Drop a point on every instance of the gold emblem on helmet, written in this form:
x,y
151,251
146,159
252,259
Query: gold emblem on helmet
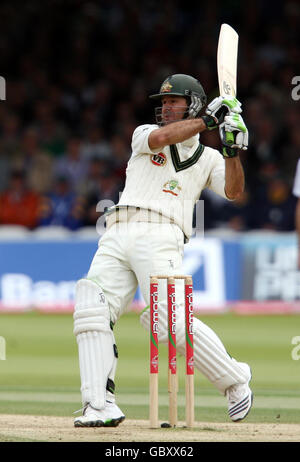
x,y
166,87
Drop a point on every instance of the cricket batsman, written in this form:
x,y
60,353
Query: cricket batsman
x,y
145,235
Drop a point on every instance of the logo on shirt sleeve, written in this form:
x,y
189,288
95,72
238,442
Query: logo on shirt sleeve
x,y
159,159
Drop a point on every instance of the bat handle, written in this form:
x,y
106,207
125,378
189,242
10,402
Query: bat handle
x,y
229,137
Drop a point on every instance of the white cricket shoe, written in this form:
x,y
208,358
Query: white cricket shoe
x,y
240,398
110,416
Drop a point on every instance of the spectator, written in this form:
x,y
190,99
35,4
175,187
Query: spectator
x,y
18,204
95,145
239,215
72,165
10,134
37,163
52,133
106,189
120,156
290,152
101,98
96,169
60,85
62,207
264,149
275,206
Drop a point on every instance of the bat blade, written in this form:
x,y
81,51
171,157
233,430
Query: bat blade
x,y
227,60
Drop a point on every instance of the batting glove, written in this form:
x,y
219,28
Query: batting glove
x,y
218,108
195,106
234,135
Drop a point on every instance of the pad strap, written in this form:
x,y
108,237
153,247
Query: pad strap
x,y
110,386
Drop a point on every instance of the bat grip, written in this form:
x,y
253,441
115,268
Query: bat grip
x,y
221,113
229,138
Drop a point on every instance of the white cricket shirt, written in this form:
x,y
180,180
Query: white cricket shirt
x,y
296,187
170,180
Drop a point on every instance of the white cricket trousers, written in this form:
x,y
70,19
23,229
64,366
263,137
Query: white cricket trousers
x,y
127,255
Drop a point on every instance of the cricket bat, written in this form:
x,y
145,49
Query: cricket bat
x,y
227,60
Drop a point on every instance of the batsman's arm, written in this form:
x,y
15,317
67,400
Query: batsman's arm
x,y
184,129
234,178
175,132
234,136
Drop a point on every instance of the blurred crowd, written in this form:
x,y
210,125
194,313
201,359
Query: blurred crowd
x,y
78,75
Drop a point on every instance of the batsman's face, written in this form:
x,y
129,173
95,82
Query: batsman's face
x,y
173,108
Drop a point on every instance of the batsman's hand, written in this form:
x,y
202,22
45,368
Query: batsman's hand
x,y
234,134
219,107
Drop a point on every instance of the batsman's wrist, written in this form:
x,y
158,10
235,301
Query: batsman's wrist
x,y
229,152
209,122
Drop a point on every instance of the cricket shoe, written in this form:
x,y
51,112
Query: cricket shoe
x,y
240,399
110,416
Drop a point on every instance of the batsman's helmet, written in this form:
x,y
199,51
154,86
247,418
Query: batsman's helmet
x,y
181,85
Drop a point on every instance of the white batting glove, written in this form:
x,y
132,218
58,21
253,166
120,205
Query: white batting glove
x,y
220,106
234,134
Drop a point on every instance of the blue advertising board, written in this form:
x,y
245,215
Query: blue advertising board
x,y
271,277
42,274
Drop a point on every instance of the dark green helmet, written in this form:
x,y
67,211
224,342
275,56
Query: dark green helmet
x,y
181,85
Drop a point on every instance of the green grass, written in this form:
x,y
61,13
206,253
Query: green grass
x,y
41,375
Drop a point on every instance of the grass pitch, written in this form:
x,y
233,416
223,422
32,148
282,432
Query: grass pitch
x,y
40,375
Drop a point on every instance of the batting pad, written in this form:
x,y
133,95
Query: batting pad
x,y
210,355
95,341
